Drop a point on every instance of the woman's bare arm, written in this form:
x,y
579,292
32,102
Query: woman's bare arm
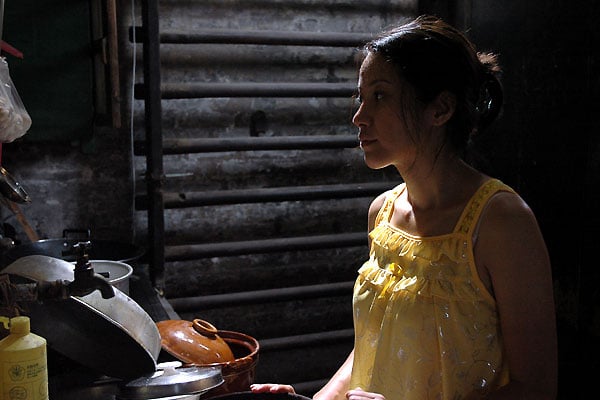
x,y
511,249
338,385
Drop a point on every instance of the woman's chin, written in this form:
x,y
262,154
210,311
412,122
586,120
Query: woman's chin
x,y
373,163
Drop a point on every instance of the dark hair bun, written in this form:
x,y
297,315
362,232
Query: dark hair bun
x,y
490,101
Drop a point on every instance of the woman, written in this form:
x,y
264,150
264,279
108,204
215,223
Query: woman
x,y
455,301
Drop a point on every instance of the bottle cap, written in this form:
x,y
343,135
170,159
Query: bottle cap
x,y
19,325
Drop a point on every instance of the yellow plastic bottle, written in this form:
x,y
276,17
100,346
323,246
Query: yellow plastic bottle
x,y
23,362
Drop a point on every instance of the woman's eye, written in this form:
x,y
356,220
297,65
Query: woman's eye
x,y
376,96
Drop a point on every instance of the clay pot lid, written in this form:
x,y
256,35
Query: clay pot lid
x,y
196,342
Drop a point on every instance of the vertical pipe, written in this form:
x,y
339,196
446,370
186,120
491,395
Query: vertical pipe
x,y
1,18
154,161
99,56
113,62
1,28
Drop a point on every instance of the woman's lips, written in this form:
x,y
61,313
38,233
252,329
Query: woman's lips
x,y
366,142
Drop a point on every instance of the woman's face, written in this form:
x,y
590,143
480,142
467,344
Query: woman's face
x,y
383,129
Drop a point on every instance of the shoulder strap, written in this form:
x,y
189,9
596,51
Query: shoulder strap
x,y
469,219
388,205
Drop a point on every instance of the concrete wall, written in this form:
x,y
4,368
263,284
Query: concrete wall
x,y
231,117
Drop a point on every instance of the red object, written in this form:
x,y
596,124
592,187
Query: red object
x,y
10,50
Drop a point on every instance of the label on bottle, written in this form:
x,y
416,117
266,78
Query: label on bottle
x,y
24,379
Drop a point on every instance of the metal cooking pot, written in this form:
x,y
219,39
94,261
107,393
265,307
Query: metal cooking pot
x,y
260,396
56,248
115,336
116,272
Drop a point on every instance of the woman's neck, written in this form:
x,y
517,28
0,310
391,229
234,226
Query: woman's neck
x,y
444,183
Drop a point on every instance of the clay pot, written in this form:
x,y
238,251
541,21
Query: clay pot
x,y
194,342
238,372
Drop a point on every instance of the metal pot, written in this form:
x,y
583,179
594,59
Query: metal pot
x,y
116,272
170,381
260,396
57,248
114,336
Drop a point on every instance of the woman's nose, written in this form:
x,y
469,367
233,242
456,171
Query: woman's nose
x,y
359,119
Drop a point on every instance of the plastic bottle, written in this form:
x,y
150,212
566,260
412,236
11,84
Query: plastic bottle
x,y
23,362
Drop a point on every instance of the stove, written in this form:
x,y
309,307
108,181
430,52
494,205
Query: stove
x,y
77,382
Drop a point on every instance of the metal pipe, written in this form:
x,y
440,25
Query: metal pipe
x,y
273,245
154,161
283,38
307,340
183,304
1,19
278,194
206,145
261,37
196,90
113,53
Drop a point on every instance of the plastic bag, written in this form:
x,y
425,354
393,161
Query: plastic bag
x,y
14,119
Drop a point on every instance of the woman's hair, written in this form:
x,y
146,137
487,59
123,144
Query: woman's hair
x,y
432,57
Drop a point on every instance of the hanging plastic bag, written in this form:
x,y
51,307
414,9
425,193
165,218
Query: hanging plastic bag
x,y
14,119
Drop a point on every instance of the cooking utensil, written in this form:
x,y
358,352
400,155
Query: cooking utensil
x,y
116,272
238,374
260,396
169,381
11,189
194,341
27,228
115,336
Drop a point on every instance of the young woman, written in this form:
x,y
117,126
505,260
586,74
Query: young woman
x,y
456,300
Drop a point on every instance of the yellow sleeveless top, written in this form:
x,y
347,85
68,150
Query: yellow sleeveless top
x,y
425,325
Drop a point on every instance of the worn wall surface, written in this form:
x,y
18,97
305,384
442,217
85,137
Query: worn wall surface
x,y
226,171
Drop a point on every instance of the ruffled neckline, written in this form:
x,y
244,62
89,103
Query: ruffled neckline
x,y
387,239
390,239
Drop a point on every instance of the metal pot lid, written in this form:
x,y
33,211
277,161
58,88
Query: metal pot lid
x,y
113,336
170,381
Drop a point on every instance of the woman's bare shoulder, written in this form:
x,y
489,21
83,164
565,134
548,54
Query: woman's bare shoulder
x,y
508,209
378,202
376,206
509,226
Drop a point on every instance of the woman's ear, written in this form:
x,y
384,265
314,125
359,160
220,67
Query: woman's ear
x,y
442,108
